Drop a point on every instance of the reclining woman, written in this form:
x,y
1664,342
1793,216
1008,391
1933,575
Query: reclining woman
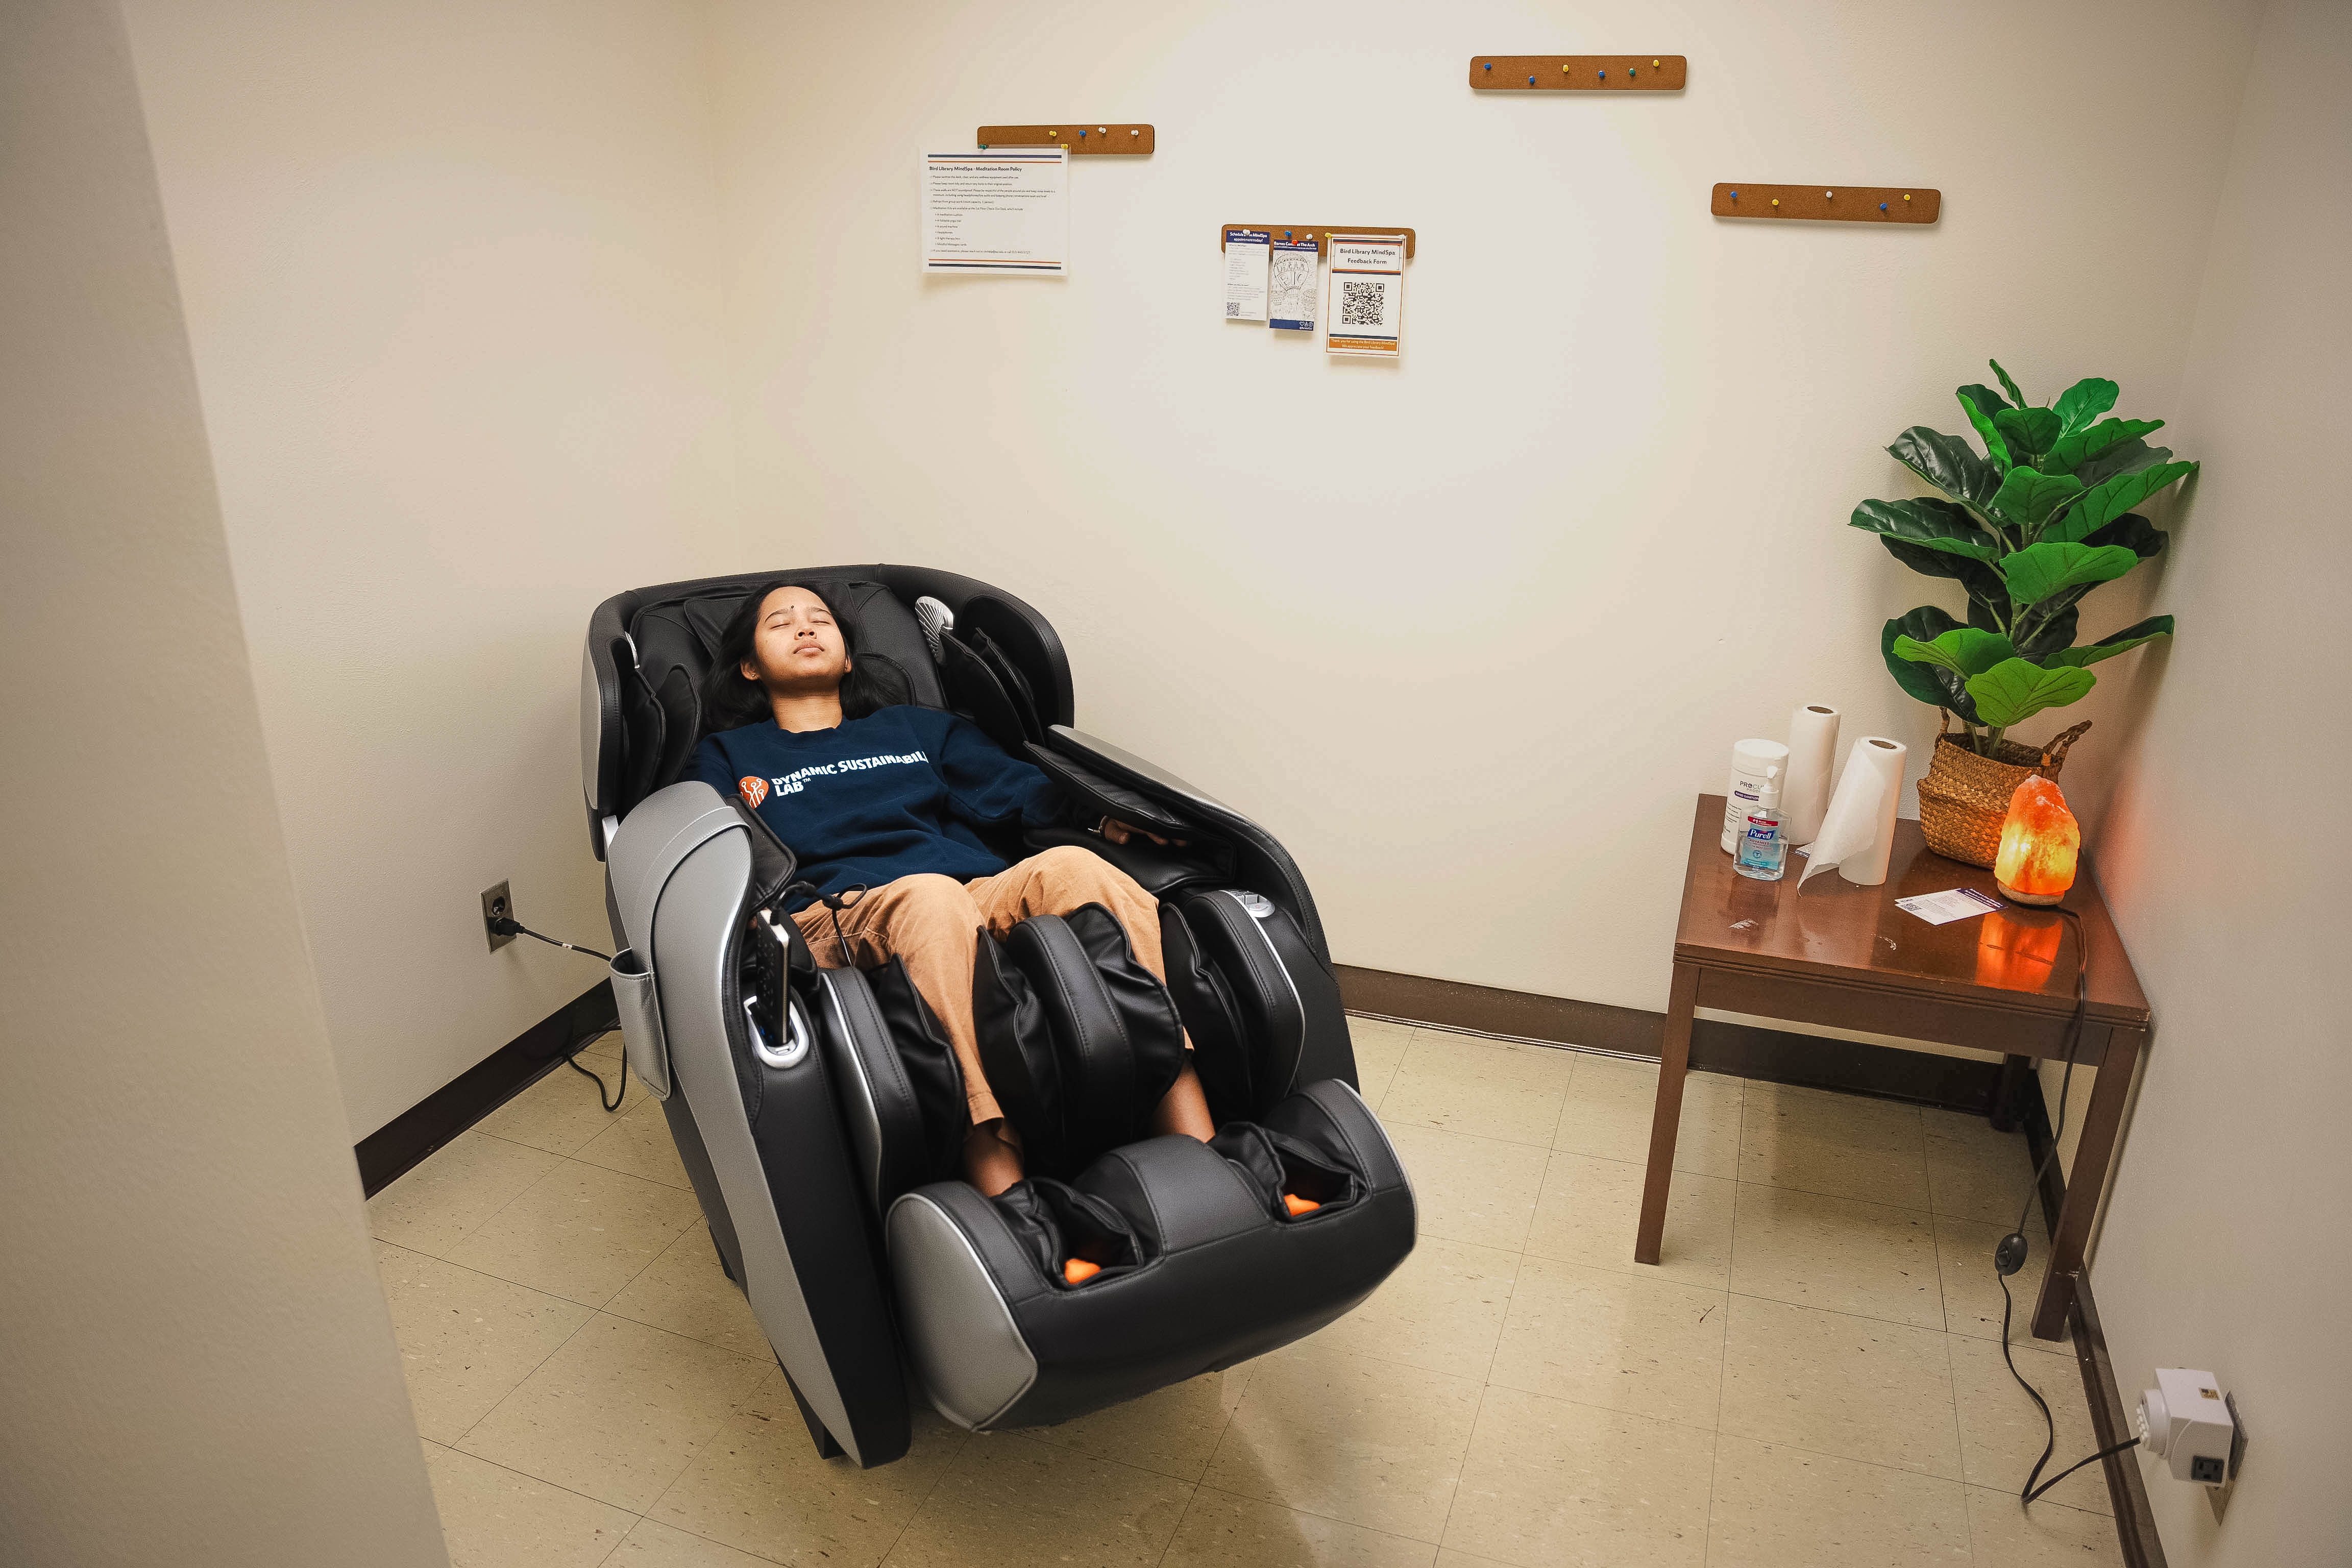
x,y
870,791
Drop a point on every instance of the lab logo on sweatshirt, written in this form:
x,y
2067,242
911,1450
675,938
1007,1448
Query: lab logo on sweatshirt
x,y
753,790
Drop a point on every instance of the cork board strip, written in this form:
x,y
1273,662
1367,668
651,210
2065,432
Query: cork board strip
x,y
1837,204
1579,73
1081,139
1318,233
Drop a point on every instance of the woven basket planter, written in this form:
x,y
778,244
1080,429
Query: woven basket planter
x,y
1964,799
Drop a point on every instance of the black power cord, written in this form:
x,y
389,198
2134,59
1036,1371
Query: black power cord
x,y
2009,1254
506,925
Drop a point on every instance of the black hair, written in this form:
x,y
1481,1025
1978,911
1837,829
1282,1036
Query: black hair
x,y
730,701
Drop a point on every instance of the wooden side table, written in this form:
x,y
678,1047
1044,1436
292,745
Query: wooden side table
x,y
1846,957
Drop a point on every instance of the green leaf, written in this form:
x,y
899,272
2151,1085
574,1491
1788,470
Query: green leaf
x,y
2123,457
1982,406
1928,522
2085,401
2124,641
2131,531
2008,386
1929,683
2039,571
1964,650
2030,432
2029,497
1980,580
2013,690
2051,629
2110,499
1946,462
2077,447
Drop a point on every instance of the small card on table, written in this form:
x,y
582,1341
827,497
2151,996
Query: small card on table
x,y
1953,904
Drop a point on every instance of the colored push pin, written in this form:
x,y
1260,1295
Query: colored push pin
x,y
1490,65
1052,133
1082,136
1631,73
1882,206
1135,133
1735,195
1653,62
1906,196
1604,76
1531,81
1776,200
1105,130
1285,234
1564,70
1829,196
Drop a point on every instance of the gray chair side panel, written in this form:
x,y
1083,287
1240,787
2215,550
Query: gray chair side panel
x,y
967,1349
667,827
692,923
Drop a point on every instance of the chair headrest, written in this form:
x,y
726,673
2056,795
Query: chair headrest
x,y
677,639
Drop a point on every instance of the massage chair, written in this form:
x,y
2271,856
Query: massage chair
x,y
820,1113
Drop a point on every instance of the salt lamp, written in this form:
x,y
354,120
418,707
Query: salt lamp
x,y
2038,844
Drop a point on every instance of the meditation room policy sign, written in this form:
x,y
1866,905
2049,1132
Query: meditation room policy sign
x,y
1005,210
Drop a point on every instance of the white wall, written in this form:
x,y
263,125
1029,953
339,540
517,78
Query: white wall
x,y
451,278
1469,631
196,1366
2227,1243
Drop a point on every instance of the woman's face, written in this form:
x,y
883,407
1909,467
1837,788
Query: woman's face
x,y
797,647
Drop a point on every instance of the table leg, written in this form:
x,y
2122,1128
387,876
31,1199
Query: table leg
x,y
1665,1119
2102,1126
2013,1069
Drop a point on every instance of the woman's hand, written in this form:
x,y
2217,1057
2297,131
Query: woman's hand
x,y
1119,832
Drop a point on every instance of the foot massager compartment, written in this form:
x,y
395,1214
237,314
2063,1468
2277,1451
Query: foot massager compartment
x,y
1207,1266
820,1113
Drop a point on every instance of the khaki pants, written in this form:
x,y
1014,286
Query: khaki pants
x,y
931,924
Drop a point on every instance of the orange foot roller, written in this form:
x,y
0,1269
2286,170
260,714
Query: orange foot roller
x,y
1078,1270
1298,1206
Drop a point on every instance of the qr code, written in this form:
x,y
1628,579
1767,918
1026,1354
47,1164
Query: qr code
x,y
1233,307
1359,302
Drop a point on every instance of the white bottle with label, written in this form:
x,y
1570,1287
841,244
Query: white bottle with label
x,y
1758,767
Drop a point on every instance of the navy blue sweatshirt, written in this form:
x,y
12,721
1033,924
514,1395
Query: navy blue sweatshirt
x,y
896,792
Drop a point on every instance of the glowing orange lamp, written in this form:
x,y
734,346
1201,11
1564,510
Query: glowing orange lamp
x,y
2038,845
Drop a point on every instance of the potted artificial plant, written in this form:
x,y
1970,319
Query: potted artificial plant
x,y
2040,520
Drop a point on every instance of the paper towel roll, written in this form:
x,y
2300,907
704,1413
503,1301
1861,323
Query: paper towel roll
x,y
1858,831
1812,753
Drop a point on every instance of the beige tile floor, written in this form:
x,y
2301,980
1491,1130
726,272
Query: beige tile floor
x,y
1811,1376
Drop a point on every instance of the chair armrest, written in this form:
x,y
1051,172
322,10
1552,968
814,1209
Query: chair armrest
x,y
1265,866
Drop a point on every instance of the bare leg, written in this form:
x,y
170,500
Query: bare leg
x,y
991,1157
1184,1108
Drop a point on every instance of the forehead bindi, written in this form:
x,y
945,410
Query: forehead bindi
x,y
785,607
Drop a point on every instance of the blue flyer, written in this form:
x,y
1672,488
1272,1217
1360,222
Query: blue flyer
x,y
1293,285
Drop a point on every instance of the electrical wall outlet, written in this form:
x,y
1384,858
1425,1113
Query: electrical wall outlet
x,y
2185,1422
497,904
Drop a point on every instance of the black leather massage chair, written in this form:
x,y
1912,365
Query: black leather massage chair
x,y
820,1113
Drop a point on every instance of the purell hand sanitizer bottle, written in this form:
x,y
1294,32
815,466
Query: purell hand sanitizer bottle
x,y
1763,853
1757,769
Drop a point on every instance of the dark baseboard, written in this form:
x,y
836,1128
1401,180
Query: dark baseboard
x,y
391,1150
1739,1050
